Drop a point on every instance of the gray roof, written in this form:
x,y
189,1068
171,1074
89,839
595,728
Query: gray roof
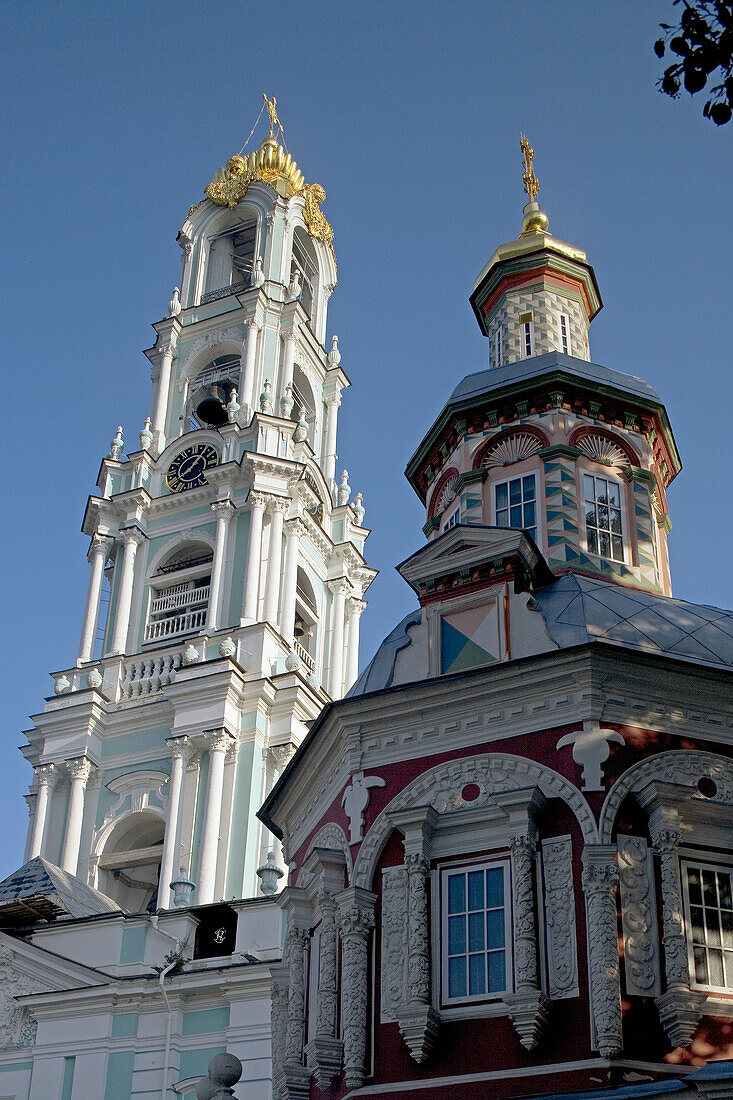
x,y
577,610
526,369
40,890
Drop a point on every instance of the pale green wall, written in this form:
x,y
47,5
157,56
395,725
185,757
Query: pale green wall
x,y
236,592
119,1075
205,1021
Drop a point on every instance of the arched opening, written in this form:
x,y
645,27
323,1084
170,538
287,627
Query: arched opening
x,y
306,621
305,264
129,867
303,397
230,261
179,592
211,390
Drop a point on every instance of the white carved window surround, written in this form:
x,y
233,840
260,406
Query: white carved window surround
x,y
475,932
707,890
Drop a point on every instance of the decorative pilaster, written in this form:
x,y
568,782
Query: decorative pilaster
x,y
294,531
528,1005
223,510
98,553
132,537
680,1008
600,880
181,751
325,1052
333,402
354,611
253,327
279,1024
295,1078
219,743
356,919
80,770
257,503
278,507
46,778
340,589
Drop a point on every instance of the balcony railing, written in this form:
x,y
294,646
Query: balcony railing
x,y
305,657
176,624
180,595
225,291
146,677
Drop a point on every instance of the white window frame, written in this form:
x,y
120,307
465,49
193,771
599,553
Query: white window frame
x,y
564,330
499,346
625,544
690,861
445,870
528,338
538,515
452,519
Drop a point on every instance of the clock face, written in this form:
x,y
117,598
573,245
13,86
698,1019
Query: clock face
x,y
187,469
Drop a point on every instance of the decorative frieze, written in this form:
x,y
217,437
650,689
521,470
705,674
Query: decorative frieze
x,y
562,949
393,969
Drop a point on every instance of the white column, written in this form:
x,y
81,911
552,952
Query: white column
x,y
253,327
132,537
288,361
79,770
600,881
333,402
355,609
340,590
278,507
294,531
46,776
161,397
257,503
97,556
223,510
219,742
180,748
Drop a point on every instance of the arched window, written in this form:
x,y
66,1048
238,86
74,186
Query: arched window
x,y
210,391
303,397
306,621
304,263
129,867
179,593
230,262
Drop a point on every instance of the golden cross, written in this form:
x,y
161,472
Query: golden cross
x,y
531,183
272,111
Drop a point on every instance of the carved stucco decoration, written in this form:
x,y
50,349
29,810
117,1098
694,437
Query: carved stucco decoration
x,y
562,949
591,749
330,836
355,801
684,767
394,942
441,788
638,918
600,880
17,1026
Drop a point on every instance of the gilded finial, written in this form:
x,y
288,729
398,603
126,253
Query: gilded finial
x,y
271,105
534,221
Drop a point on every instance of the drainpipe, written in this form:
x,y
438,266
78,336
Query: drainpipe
x,y
169,1027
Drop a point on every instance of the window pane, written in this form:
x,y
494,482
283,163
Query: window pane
x,y
457,977
476,932
724,890
497,971
494,887
698,929
456,935
476,974
516,514
693,881
715,962
529,519
726,920
456,893
709,893
502,497
713,929
588,488
502,518
590,515
615,517
592,541
476,890
618,548
613,493
495,928
528,487
701,966
604,543
515,491
729,969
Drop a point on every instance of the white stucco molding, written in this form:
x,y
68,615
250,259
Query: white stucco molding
x,y
190,534
138,786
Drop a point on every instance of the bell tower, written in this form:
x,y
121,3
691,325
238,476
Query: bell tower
x,y
227,564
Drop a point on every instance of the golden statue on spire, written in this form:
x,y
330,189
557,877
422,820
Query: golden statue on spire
x,y
271,105
531,183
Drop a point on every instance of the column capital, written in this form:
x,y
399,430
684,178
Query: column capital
x,y
355,607
132,535
666,840
279,504
524,845
180,747
257,501
332,400
254,324
295,527
355,911
100,544
219,740
80,769
341,586
46,775
223,509
281,755
600,869
165,349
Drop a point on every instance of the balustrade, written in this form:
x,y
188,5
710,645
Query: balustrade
x,y
304,656
145,677
176,624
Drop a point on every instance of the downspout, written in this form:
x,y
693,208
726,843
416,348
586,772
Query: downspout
x,y
169,1025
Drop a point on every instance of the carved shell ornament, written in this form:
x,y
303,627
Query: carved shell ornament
x,y
447,494
599,448
514,449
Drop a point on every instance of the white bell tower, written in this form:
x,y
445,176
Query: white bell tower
x,y
227,570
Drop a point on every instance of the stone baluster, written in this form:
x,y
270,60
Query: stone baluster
x,y
528,1005
600,882
333,402
294,531
340,590
354,611
46,778
223,510
219,743
132,537
160,400
278,507
80,770
257,503
246,397
181,751
356,919
97,557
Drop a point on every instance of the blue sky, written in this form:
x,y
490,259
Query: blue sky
x,y
409,114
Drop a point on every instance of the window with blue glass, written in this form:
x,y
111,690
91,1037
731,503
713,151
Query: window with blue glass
x,y
476,960
515,504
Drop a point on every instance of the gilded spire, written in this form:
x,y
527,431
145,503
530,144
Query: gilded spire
x,y
271,105
534,221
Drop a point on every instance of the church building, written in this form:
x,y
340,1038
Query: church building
x,y
511,844
226,584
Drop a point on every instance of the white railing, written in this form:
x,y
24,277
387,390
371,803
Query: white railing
x,y
305,656
176,624
179,596
146,677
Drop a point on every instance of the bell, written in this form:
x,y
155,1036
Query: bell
x,y
210,404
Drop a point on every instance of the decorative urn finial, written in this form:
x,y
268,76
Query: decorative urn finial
x,y
334,355
146,436
258,275
359,509
301,432
233,407
117,446
534,220
266,397
295,288
344,488
269,875
174,306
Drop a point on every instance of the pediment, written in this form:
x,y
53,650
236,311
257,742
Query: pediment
x,y
465,546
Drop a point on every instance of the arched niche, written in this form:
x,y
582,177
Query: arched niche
x,y
179,582
305,397
217,253
128,867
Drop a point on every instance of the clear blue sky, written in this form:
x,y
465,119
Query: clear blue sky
x,y
409,115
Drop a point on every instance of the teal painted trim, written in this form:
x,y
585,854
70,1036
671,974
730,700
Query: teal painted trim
x,y
239,564
67,1082
135,742
21,1067
198,818
241,818
205,1021
125,1026
560,450
120,1066
195,1063
132,949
